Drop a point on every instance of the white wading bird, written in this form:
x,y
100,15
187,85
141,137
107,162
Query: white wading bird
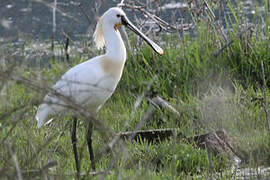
x,y
91,83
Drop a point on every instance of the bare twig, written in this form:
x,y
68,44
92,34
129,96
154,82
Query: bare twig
x,y
126,38
7,72
157,100
122,2
57,9
85,14
147,115
163,24
212,15
231,41
54,24
264,96
82,174
49,165
137,103
268,6
37,172
14,124
16,163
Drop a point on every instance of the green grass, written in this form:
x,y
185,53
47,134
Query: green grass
x,y
209,92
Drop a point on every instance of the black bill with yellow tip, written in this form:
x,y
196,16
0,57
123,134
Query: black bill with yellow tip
x,y
128,24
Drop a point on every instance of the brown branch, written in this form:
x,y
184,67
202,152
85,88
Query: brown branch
x,y
231,41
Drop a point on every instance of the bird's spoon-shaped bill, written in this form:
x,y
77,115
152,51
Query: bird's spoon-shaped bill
x,y
128,24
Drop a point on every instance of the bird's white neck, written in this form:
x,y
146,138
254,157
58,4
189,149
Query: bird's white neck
x,y
115,47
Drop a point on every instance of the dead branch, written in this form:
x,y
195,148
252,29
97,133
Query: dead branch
x,y
158,101
212,14
264,96
57,9
38,172
82,174
231,41
122,2
54,24
16,163
49,165
85,14
8,71
160,22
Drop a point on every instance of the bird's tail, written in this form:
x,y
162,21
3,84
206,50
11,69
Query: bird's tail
x,y
43,111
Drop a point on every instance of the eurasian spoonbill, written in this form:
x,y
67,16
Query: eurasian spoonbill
x,y
92,82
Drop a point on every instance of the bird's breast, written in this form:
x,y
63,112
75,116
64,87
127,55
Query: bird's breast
x,y
112,67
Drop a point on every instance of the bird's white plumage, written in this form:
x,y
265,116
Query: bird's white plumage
x,y
86,84
92,82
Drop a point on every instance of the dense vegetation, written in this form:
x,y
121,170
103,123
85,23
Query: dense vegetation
x,y
211,92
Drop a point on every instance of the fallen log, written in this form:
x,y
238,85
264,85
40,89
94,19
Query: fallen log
x,y
217,142
149,135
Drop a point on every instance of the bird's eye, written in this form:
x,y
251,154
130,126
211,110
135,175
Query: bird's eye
x,y
118,15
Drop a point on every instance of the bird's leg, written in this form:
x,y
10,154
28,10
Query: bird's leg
x,y
74,144
90,148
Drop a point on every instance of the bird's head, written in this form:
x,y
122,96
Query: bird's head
x,y
114,18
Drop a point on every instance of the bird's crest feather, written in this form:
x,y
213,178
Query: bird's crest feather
x,y
98,35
